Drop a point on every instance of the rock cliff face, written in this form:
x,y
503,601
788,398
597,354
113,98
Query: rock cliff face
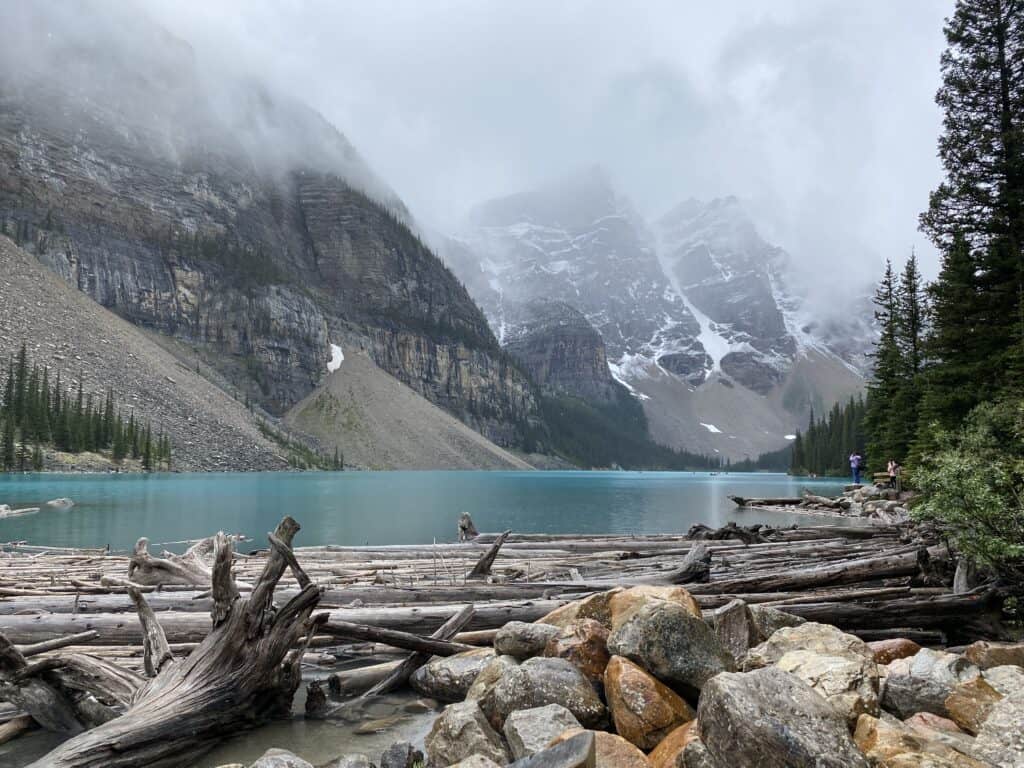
x,y
561,350
231,219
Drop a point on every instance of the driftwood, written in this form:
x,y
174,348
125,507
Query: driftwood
x,y
242,673
467,531
785,501
696,566
746,534
394,638
483,565
189,568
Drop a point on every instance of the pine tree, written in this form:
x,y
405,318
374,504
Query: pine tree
x,y
884,387
147,451
8,456
20,387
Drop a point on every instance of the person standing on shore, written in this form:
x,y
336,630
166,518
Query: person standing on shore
x,y
855,464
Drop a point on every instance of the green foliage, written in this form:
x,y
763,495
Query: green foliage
x,y
825,448
594,434
772,461
973,487
300,455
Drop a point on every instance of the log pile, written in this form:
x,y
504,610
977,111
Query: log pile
x,y
154,628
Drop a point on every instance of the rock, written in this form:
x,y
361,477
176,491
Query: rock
x,y
541,681
970,703
696,755
378,724
887,651
449,678
823,639
892,743
985,655
401,755
594,607
733,627
921,683
280,758
462,731
612,751
584,644
1001,738
580,751
625,603
1006,679
672,644
643,709
531,730
352,761
669,753
476,761
767,621
489,676
932,722
522,640
772,719
849,683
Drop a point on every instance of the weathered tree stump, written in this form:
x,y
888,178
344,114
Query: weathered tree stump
x,y
245,672
188,569
467,531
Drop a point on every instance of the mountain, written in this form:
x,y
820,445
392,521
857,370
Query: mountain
x,y
229,218
68,332
695,310
380,423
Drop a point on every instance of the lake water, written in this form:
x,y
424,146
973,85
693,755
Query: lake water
x,y
382,507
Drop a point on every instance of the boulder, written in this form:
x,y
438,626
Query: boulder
x,y
580,751
462,731
887,651
921,683
625,603
669,753
612,751
584,644
476,761
823,639
672,644
970,703
1001,738
597,606
1005,679
522,640
772,719
733,627
849,683
643,709
449,678
926,720
541,681
696,755
280,758
985,655
528,731
767,621
352,761
401,755
892,743
489,676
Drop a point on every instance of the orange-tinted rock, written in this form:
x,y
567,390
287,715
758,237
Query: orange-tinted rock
x,y
986,655
933,722
584,644
887,651
644,710
668,754
627,602
893,745
593,607
970,703
612,751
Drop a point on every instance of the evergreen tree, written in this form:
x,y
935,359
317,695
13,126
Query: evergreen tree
x,y
147,451
8,455
884,389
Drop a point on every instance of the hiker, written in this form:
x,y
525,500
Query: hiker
x,y
855,464
893,468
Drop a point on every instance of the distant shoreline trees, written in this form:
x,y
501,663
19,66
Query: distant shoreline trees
x,y
35,413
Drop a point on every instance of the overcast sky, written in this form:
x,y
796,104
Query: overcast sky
x,y
819,114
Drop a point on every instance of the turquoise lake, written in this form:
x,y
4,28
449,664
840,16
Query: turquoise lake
x,y
382,507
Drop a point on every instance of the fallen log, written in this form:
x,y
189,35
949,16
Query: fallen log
x,y
16,726
146,570
696,566
746,534
244,672
786,501
352,682
394,638
57,643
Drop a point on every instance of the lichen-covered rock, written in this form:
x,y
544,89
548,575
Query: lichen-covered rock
x,y
522,640
970,703
932,722
985,655
401,754
1001,738
612,751
462,731
531,730
352,761
669,752
449,678
1006,679
597,607
672,644
696,755
892,743
579,751
643,709
822,639
280,758
584,644
540,681
733,627
767,621
625,603
849,683
489,676
888,651
772,719
921,683
476,761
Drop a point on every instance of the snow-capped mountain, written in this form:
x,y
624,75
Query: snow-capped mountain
x,y
695,311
